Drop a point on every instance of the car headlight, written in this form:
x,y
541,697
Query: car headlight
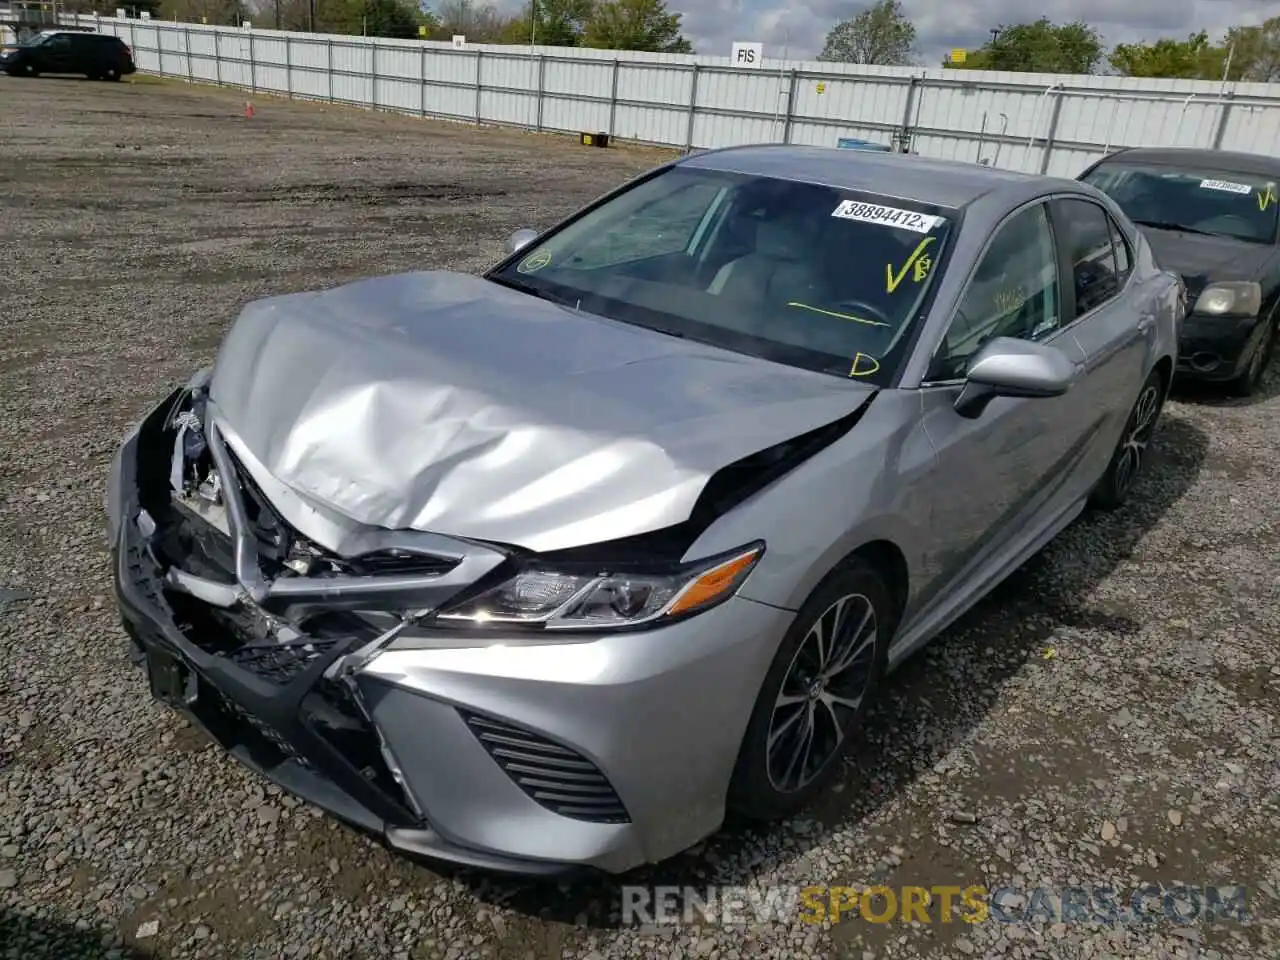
x,y
1236,298
560,599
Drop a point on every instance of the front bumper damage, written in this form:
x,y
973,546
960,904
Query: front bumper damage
x,y
1216,348
603,753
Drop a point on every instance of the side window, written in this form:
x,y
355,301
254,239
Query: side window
x,y
1013,293
60,44
1088,234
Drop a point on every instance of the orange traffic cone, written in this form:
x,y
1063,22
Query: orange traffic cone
x,y
248,109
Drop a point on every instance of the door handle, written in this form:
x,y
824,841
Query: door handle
x,y
1146,322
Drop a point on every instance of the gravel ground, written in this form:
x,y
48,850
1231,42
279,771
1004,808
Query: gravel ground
x,y
1111,716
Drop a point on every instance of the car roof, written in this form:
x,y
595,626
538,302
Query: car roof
x,y
1227,160
944,183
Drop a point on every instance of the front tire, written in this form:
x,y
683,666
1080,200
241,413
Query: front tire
x,y
1250,379
816,693
1131,452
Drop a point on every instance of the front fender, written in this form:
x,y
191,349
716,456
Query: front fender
x,y
863,488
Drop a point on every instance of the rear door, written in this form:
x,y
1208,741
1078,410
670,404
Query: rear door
x,y
1002,476
1110,317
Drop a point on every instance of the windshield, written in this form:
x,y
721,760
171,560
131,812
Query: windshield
x,y
1201,200
811,276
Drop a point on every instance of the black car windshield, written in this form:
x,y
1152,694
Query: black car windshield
x,y
35,40
1200,199
813,276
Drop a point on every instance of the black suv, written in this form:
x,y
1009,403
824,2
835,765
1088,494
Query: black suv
x,y
96,55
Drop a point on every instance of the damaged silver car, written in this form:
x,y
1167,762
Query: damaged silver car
x,y
550,567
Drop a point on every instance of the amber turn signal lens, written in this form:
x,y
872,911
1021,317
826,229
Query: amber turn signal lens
x,y
716,583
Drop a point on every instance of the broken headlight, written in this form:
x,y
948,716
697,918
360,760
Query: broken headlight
x,y
557,599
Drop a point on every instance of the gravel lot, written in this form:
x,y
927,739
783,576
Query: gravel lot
x,y
1111,717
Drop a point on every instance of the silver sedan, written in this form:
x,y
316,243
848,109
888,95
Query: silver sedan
x,y
550,567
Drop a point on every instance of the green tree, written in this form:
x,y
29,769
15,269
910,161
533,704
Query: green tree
x,y
1039,47
879,34
1194,58
560,23
1255,52
478,22
635,25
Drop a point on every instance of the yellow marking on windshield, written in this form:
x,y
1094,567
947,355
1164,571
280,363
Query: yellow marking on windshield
x,y
833,313
921,263
1267,197
861,360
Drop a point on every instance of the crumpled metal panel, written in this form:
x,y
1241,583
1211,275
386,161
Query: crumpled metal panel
x,y
444,402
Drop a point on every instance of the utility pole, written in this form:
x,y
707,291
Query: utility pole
x,y
533,23
311,16
277,14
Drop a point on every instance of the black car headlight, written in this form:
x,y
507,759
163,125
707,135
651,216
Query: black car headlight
x,y
553,598
1230,298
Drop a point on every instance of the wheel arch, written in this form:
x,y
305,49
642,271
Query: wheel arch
x,y
888,560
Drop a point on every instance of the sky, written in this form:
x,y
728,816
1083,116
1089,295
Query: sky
x,y
800,26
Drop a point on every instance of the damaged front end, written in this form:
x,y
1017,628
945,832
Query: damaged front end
x,y
258,634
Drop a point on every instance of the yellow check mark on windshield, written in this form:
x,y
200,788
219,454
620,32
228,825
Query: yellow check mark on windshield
x,y
892,280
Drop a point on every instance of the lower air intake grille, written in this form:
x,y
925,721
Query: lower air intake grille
x,y
553,776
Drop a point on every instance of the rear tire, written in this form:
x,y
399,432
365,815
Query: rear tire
x,y
1130,454
815,695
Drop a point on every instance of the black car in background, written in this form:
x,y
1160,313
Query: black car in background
x,y
98,56
1213,217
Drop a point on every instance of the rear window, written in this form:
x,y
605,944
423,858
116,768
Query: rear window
x,y
1199,199
809,275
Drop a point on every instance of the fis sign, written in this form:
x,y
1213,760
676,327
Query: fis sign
x,y
748,55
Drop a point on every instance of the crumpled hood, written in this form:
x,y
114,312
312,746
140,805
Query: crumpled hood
x,y
444,402
1201,260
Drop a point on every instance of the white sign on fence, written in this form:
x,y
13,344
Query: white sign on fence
x,y
121,13
747,54
459,41
144,15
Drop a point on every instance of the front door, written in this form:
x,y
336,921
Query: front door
x,y
1000,477
56,55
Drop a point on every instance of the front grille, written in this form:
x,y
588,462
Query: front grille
x,y
552,775
400,563
281,663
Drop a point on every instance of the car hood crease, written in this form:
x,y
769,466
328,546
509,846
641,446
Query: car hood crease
x,y
445,402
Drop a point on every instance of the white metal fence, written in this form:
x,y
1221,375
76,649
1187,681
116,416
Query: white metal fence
x,y
1049,124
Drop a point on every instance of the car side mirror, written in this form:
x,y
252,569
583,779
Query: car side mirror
x,y
521,239
1008,367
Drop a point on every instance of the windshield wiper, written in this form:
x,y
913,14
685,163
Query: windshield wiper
x,y
1170,225
533,291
